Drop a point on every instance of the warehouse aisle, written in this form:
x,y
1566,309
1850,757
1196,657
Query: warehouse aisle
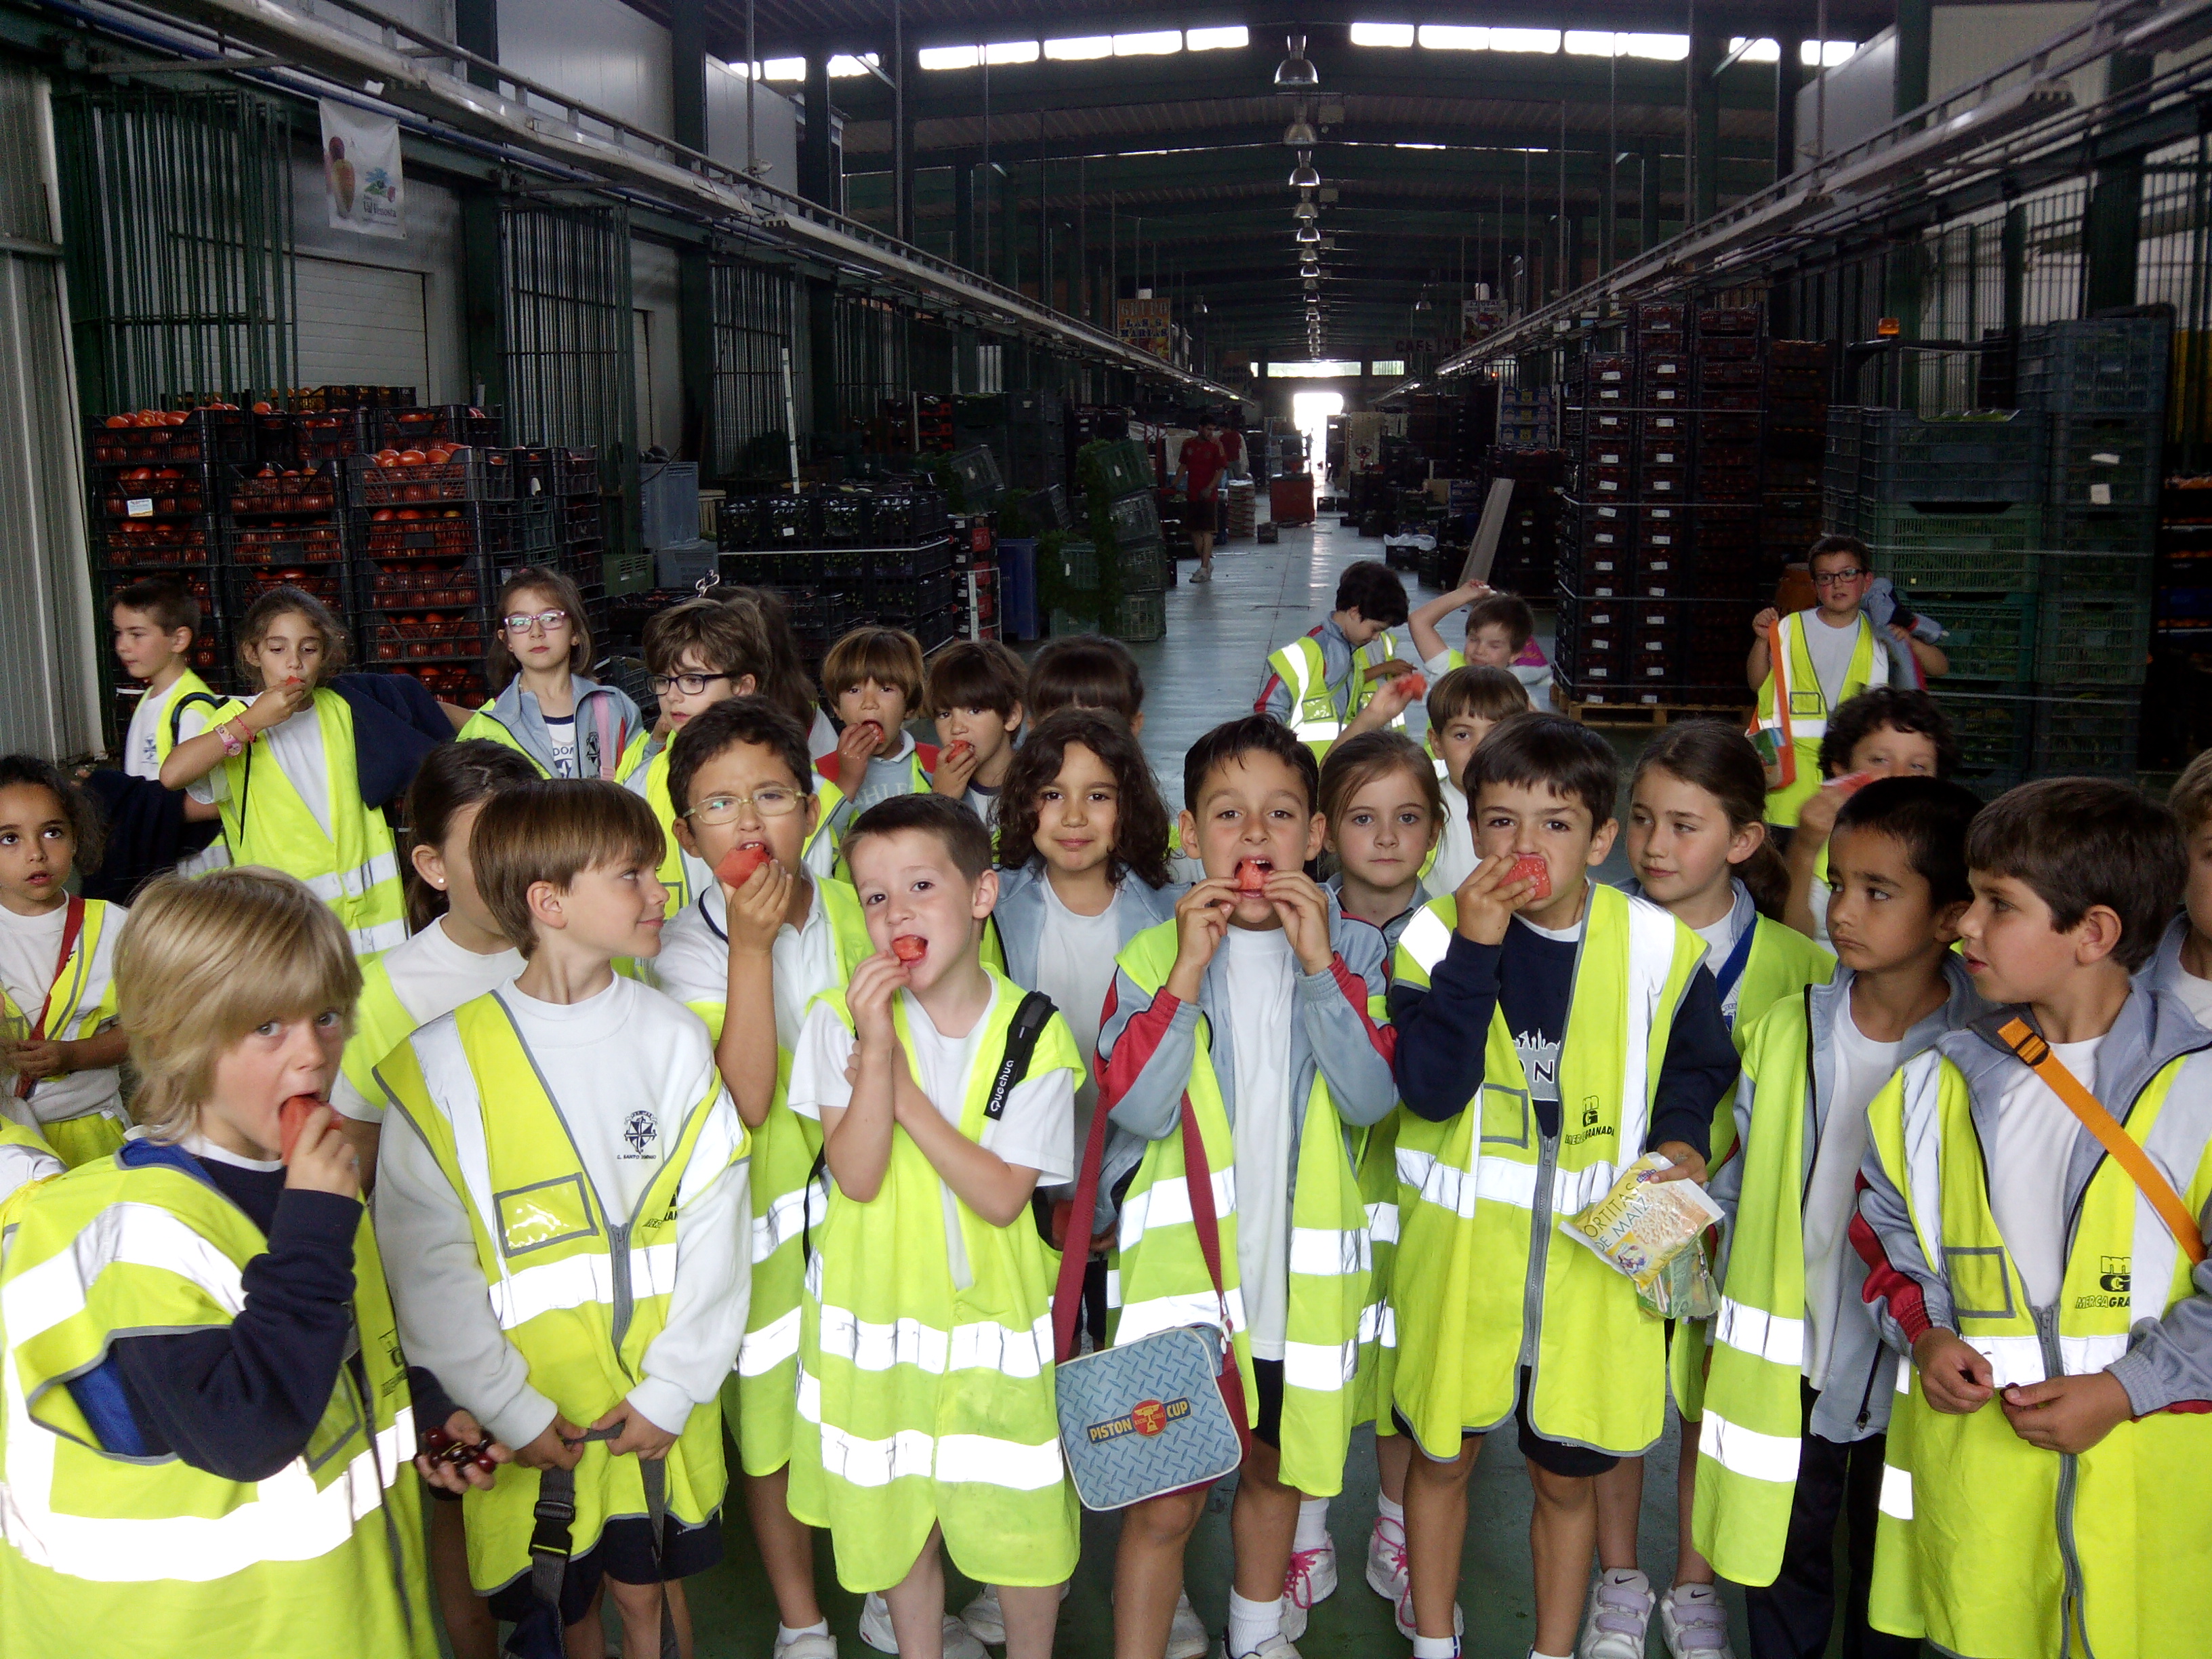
x,y
1208,669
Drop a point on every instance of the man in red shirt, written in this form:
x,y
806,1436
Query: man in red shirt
x,y
1202,463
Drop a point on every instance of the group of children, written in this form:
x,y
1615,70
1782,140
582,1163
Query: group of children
x,y
695,1076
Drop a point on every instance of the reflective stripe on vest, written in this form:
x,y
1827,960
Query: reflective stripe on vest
x,y
1808,703
926,1401
353,867
1302,666
116,1249
83,996
1333,1322
1459,1355
2019,1547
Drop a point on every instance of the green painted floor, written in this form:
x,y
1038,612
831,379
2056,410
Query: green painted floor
x,y
1208,669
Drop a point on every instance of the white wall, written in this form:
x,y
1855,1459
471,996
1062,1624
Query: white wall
x,y
775,126
432,247
1861,101
599,51
1965,42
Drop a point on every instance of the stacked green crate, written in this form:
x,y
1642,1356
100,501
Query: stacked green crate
x,y
1951,507
2100,383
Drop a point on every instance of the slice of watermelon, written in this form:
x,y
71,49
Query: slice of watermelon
x,y
1530,866
739,864
1252,875
875,731
958,750
1420,684
291,1118
1851,783
909,947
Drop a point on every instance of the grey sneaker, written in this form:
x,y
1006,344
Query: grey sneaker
x,y
1694,1623
1620,1613
1203,574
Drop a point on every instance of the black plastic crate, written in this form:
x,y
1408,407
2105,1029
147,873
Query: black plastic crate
x,y
200,437
1608,368
291,438
469,583
1728,320
1673,450
842,521
2093,730
143,492
1134,518
906,518
2106,365
267,490
523,531
480,475
575,472
2105,460
1656,316
261,543
900,604
1730,375
1727,428
1897,455
439,424
780,570
241,585
1727,349
1798,354
576,519
159,543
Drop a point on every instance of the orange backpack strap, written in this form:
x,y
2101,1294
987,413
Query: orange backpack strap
x,y
2032,1052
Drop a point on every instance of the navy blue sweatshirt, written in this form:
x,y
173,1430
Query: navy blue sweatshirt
x,y
240,1401
1443,1032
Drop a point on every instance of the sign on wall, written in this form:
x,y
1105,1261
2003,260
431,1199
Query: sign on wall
x,y
361,170
1147,325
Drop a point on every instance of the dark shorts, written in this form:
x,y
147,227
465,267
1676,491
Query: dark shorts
x,y
1267,1375
1553,1456
623,1553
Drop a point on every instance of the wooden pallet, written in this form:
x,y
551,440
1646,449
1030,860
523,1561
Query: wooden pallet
x,y
1653,716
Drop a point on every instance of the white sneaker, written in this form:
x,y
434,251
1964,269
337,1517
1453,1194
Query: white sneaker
x,y
1619,1613
875,1631
1201,574
1386,1560
1403,1617
1312,1578
987,1621
1277,1646
1187,1638
1694,1623
808,1644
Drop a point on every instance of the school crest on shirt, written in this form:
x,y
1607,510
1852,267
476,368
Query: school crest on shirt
x,y
642,1129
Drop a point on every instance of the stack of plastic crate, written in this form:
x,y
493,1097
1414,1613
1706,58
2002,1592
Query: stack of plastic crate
x,y
2101,383
426,544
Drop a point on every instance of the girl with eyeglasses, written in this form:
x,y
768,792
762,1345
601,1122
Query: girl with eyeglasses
x,y
569,725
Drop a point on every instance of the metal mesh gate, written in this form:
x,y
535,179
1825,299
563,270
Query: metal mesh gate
x,y
755,322
570,354
177,216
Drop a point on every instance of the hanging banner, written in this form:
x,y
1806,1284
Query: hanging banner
x,y
360,166
1147,324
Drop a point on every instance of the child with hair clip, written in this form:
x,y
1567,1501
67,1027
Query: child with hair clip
x,y
454,951
208,1450
300,808
785,682
56,968
569,725
1698,843
1385,809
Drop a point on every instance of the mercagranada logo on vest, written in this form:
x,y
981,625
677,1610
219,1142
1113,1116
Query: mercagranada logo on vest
x,y
1147,1418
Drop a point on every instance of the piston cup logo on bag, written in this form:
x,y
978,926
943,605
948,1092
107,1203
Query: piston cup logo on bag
x,y
1147,1418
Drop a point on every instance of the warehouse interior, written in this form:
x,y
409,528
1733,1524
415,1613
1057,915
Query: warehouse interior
x,y
903,309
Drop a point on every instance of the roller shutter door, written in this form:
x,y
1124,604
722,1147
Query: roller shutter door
x,y
362,325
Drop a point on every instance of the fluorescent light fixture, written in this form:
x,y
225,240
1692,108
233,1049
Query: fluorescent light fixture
x,y
1392,366
1382,34
1222,39
1151,44
1078,48
1989,121
2170,28
1414,146
1601,43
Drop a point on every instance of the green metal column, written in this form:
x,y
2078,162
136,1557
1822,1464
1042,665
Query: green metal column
x,y
822,351
964,210
815,183
1706,51
476,28
687,67
483,288
695,333
2015,255
2113,225
1789,77
1648,181
1915,22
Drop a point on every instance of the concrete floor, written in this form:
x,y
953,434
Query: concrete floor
x,y
1208,669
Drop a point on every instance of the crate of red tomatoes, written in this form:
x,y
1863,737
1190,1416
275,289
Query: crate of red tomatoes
x,y
170,437
440,474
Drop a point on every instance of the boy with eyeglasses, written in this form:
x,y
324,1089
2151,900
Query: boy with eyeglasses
x,y
748,955
698,653
1830,654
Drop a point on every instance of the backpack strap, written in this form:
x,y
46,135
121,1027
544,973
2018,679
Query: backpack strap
x,y
178,706
2009,1029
